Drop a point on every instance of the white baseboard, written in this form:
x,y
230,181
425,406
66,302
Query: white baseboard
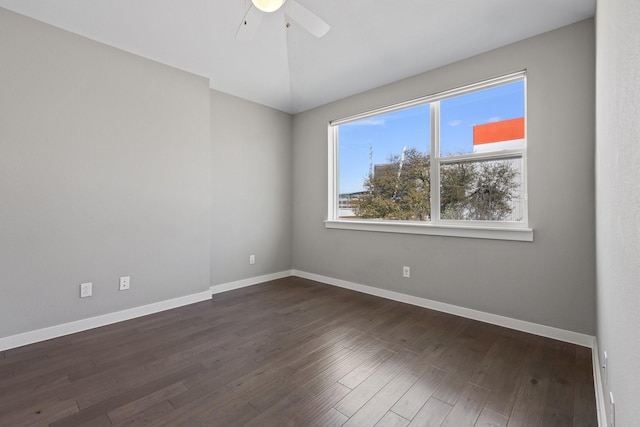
x,y
31,337
601,406
107,319
224,287
520,325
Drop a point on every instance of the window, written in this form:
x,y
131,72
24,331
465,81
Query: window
x,y
453,163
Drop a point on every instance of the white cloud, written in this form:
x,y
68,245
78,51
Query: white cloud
x,y
494,119
455,122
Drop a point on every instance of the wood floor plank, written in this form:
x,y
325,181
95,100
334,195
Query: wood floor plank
x,y
139,405
148,416
468,407
432,414
300,369
227,412
584,409
411,402
299,407
25,394
449,390
502,370
99,420
130,395
318,405
6,371
410,332
94,389
440,330
331,418
283,385
528,408
326,378
391,419
40,413
381,402
488,418
10,363
279,413
210,383
46,372
364,370
558,409
36,349
466,353
187,403
367,389
294,352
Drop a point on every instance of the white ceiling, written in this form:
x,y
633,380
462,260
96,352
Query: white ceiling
x,y
371,42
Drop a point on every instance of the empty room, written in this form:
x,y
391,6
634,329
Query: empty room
x,y
319,213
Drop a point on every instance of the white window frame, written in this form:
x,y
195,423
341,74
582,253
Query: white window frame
x,y
501,230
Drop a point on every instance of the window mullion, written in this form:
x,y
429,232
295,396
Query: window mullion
x,y
491,155
434,163
334,173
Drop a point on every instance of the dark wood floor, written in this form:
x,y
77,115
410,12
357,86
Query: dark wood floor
x,y
295,352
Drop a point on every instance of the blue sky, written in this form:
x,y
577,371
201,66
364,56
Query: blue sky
x,y
387,134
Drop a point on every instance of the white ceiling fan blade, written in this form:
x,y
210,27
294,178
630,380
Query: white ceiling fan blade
x,y
307,19
249,24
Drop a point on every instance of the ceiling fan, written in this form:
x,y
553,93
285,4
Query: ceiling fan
x,y
293,10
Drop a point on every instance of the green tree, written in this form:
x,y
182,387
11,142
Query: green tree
x,y
456,181
400,189
482,190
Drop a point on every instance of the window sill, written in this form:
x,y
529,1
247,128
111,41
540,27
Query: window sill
x,y
521,234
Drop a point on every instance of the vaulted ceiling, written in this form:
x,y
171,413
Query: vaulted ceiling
x,y
371,42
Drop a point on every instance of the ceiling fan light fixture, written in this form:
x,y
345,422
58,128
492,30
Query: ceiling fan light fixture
x,y
268,5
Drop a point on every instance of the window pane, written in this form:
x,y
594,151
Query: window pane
x,y
483,121
485,190
383,164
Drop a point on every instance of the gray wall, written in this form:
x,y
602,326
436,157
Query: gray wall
x,y
104,172
550,281
114,165
618,201
251,189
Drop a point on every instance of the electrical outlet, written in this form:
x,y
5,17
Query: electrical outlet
x,y
86,290
406,271
605,371
125,283
612,411
252,259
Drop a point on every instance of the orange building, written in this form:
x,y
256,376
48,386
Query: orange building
x,y
507,133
